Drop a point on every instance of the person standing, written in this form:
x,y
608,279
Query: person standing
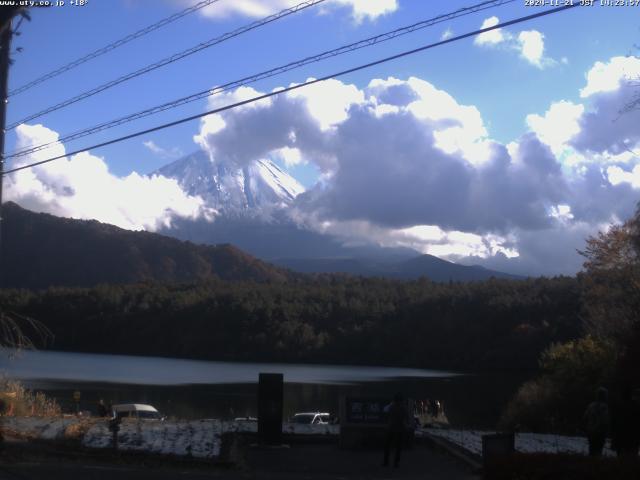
x,y
102,408
596,419
397,423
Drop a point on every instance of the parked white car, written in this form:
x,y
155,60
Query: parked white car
x,y
138,411
311,418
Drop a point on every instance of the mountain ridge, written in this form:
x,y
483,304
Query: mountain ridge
x,y
429,266
41,250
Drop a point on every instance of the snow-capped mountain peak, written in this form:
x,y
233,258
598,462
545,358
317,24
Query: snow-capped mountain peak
x,y
233,189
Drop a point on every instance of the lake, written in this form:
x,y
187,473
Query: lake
x,y
206,389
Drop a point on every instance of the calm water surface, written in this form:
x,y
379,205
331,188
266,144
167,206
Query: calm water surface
x,y
200,389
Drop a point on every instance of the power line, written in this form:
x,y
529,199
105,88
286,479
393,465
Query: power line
x,y
301,85
266,74
168,60
112,46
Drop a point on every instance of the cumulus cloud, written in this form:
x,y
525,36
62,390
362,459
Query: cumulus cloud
x,y
82,186
616,175
289,156
531,44
360,9
606,127
397,153
405,164
492,37
610,76
597,142
558,125
528,43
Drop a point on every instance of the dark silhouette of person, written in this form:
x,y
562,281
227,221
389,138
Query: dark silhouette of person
x,y
596,419
436,408
102,408
625,425
397,420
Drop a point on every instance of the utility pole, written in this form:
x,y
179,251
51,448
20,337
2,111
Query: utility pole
x,y
5,52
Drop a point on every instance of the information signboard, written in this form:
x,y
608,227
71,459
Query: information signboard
x,y
365,410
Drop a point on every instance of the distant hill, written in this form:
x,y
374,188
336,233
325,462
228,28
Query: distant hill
x,y
428,266
440,270
40,250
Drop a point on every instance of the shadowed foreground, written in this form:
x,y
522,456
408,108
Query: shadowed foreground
x,y
315,461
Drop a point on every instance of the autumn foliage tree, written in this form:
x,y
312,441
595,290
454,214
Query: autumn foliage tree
x,y
608,354
611,298
612,281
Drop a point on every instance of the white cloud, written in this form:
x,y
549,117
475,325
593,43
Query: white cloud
x,y
607,127
617,175
528,43
610,76
368,9
492,37
360,9
531,44
454,244
427,160
162,152
561,212
559,124
82,187
447,34
329,102
290,156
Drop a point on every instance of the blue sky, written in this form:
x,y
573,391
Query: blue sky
x,y
494,77
503,87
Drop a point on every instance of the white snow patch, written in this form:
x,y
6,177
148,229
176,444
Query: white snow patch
x,y
196,438
284,185
288,428
471,440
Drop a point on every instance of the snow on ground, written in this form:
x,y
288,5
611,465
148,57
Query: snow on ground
x,y
300,429
196,438
242,426
471,440
202,438
287,428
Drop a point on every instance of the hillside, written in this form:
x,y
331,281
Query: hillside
x,y
428,266
41,250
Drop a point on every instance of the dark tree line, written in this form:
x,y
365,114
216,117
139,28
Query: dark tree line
x,y
490,325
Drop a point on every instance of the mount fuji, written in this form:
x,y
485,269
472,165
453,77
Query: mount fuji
x,y
252,213
251,204
232,190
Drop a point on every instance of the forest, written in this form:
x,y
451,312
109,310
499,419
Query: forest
x,y
475,326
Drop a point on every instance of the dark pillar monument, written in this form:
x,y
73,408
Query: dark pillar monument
x,y
270,408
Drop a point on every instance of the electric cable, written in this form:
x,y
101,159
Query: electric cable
x,y
265,74
112,46
298,86
167,60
